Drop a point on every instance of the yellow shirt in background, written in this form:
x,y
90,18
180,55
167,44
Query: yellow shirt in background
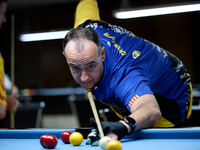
x,y
2,87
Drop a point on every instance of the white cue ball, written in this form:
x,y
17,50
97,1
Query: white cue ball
x,y
104,141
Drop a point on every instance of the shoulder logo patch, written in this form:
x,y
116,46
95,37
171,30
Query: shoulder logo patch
x,y
136,54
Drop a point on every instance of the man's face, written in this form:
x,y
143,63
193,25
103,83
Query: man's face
x,y
3,7
85,64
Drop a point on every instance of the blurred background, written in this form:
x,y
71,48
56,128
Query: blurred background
x,y
41,65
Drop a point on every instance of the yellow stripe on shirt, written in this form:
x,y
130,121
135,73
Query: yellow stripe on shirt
x,y
2,87
164,123
191,101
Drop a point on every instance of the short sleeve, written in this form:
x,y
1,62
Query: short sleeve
x,y
131,87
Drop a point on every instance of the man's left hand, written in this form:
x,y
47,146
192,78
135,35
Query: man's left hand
x,y
12,103
115,130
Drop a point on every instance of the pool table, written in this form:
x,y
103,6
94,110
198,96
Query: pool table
x,y
147,139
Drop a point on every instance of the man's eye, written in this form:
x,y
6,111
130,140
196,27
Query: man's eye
x,y
75,68
90,67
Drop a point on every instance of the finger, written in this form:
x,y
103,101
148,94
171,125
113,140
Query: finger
x,y
112,135
16,95
16,105
13,105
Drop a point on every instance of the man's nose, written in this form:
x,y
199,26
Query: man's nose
x,y
84,76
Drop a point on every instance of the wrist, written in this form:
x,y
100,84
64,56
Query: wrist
x,y
127,126
131,124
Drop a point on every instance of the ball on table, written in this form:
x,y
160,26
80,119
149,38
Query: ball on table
x,y
114,145
93,139
65,136
104,141
48,141
51,141
43,139
76,138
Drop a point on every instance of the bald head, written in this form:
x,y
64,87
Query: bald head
x,y
78,35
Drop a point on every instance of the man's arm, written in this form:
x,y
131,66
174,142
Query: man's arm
x,y
145,111
12,104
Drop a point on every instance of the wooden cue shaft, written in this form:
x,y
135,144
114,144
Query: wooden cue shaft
x,y
12,116
94,110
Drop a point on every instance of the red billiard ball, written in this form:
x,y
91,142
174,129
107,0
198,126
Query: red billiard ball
x,y
65,137
51,141
42,140
48,141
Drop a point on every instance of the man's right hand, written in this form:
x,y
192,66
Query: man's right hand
x,y
12,103
2,111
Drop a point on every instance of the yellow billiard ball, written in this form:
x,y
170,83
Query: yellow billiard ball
x,y
114,145
76,138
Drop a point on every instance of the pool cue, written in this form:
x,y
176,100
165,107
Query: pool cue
x,y
12,116
94,110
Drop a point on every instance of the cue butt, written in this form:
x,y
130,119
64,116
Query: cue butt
x,y
12,115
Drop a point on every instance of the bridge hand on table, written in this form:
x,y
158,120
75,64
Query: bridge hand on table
x,y
116,130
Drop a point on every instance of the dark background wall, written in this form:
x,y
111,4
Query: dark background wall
x,y
42,65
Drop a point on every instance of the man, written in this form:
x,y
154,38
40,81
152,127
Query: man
x,y
144,84
10,102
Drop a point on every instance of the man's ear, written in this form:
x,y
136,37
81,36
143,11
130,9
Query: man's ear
x,y
64,55
103,54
